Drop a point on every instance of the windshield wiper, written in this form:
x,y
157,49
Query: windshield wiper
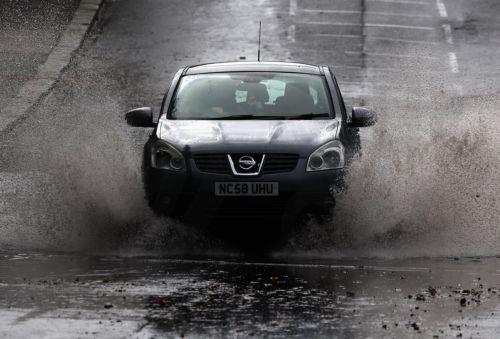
x,y
249,117
309,116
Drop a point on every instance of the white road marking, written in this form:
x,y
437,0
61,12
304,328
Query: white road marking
x,y
337,11
412,15
352,82
370,68
447,34
330,35
325,23
441,9
349,36
409,56
332,11
402,40
347,67
384,69
370,84
329,23
452,58
426,28
292,8
402,2
291,33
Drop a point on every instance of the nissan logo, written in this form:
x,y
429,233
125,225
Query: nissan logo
x,y
246,162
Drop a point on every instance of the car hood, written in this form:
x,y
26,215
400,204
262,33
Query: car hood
x,y
296,136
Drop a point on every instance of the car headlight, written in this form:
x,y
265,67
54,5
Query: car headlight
x,y
165,156
328,156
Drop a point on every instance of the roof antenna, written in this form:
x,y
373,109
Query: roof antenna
x,y
258,52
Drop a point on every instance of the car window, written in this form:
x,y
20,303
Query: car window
x,y
275,88
252,95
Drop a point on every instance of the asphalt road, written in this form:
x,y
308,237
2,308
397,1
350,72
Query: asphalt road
x,y
426,186
90,296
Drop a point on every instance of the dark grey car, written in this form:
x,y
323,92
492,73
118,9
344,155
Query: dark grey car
x,y
249,139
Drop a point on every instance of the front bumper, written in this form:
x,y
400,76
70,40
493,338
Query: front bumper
x,y
193,191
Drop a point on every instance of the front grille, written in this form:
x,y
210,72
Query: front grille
x,y
273,163
280,163
212,163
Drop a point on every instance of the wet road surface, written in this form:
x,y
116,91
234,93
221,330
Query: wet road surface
x,y
108,296
70,180
28,32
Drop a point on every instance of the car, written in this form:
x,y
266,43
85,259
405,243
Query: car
x,y
249,140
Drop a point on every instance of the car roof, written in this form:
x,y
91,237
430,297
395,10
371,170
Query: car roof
x,y
254,66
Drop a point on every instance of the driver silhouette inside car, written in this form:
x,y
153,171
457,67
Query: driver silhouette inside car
x,y
222,99
257,96
296,99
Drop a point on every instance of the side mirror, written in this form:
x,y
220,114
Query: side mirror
x,y
140,117
362,117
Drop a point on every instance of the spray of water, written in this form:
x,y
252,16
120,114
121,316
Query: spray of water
x,y
428,180
79,184
426,184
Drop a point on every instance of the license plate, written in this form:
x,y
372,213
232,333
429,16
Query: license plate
x,y
246,188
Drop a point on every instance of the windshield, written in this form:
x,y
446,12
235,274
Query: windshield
x,y
251,95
